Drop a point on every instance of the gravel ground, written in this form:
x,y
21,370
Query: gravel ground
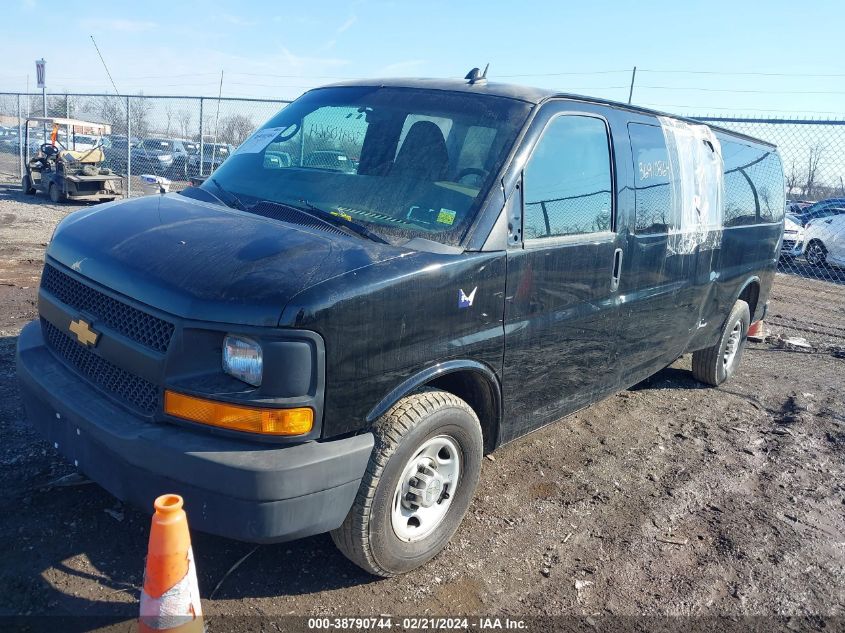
x,y
665,499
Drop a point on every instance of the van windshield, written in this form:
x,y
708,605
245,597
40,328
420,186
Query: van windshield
x,y
403,162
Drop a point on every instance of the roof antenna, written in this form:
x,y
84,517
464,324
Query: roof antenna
x,y
475,76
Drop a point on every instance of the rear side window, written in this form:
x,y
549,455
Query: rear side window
x,y
568,180
653,176
754,187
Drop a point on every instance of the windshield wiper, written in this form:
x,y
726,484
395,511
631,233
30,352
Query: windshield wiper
x,y
312,211
235,202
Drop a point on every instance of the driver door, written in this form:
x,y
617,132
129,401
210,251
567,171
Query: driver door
x,y
561,310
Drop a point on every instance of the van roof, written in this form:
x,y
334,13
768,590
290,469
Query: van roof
x,y
523,93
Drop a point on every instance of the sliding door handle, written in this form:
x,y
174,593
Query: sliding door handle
x,y
617,270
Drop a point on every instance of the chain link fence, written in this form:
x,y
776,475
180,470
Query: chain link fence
x,y
161,136
812,259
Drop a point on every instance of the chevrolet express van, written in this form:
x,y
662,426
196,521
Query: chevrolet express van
x,y
300,346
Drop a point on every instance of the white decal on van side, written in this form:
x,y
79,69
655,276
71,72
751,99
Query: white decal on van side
x,y
697,181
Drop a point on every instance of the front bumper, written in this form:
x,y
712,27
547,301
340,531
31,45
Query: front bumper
x,y
238,489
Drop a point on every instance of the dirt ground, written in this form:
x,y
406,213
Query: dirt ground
x,y
666,499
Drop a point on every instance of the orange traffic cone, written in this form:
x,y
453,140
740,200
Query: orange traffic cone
x,y
170,600
757,332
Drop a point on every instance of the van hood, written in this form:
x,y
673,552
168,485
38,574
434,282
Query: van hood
x,y
203,261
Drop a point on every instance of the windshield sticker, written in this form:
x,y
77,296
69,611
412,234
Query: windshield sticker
x,y
446,216
465,300
258,141
342,214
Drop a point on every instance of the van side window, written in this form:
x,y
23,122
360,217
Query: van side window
x,y
754,188
652,178
567,179
740,202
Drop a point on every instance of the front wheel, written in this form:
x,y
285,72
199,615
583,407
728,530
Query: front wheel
x,y
418,485
26,185
716,364
55,194
816,254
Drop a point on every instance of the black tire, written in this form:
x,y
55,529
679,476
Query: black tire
x,y
816,253
367,536
711,366
26,185
55,195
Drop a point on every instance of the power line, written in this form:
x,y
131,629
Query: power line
x,y
740,90
740,73
590,72
699,108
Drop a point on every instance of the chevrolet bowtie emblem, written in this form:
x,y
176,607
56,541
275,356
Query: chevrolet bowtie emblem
x,y
84,333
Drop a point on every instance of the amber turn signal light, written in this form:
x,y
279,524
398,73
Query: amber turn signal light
x,y
237,417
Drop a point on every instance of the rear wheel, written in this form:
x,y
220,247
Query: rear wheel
x,y
55,194
716,364
816,254
418,484
26,185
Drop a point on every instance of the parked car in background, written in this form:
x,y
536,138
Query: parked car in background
x,y
793,234
9,141
797,206
154,156
333,160
213,156
179,150
116,152
824,241
183,150
821,209
81,142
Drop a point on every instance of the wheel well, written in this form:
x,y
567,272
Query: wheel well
x,y
751,294
478,393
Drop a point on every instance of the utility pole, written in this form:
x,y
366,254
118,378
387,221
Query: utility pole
x,y
41,75
631,91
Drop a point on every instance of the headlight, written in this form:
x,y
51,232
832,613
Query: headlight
x,y
164,157
242,359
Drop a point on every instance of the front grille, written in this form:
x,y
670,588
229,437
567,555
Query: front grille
x,y
135,324
136,392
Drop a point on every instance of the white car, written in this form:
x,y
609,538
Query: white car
x,y
793,234
824,241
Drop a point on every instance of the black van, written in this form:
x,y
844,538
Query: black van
x,y
299,346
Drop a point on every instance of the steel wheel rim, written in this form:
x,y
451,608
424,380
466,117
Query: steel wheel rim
x,y
426,489
732,345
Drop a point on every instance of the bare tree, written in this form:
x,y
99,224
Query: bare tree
x,y
139,115
168,114
58,105
812,168
234,129
184,119
792,179
110,110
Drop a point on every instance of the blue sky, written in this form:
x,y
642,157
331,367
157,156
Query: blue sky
x,y
278,49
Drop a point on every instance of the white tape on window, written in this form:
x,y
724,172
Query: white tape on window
x,y
697,182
